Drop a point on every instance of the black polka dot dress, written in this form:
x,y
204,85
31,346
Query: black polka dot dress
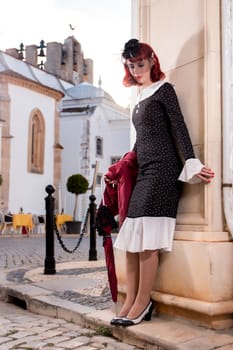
x,y
162,145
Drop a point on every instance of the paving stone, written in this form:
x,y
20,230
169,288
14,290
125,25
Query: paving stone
x,y
11,344
75,327
59,339
40,329
50,334
34,344
3,321
97,346
110,347
54,348
77,342
90,347
123,346
103,339
25,334
5,339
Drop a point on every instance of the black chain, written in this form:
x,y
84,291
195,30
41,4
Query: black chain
x,y
80,238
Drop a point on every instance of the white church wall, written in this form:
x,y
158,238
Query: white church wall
x,y
27,190
70,136
119,138
100,128
116,141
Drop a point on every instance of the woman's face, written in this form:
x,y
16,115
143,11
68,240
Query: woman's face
x,y
140,70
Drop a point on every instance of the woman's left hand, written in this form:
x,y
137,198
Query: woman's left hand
x,y
206,174
110,182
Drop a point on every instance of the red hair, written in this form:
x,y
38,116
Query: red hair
x,y
145,52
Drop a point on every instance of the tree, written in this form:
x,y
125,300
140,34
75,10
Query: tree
x,y
77,184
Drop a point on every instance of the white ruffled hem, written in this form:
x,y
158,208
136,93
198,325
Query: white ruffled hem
x,y
191,168
146,233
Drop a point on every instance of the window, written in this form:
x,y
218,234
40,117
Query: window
x,y
98,179
115,159
36,143
99,146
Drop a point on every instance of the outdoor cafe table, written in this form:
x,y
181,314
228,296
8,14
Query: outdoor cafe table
x,y
61,219
20,220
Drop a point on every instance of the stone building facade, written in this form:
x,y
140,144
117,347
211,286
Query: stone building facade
x,y
193,40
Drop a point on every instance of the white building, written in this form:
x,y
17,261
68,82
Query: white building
x,y
94,130
30,153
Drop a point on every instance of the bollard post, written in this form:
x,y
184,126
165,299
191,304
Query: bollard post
x,y
92,211
49,268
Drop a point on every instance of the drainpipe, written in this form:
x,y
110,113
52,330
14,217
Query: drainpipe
x,y
227,109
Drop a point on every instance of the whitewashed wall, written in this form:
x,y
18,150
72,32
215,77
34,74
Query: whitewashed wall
x,y
105,122
116,140
70,136
27,190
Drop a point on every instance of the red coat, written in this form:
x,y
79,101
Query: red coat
x,y
124,172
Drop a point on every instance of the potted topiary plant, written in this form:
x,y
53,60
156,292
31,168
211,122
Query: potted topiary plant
x,y
76,184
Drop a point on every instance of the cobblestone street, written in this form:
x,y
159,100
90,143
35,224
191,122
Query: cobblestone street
x,y
20,251
20,329
21,254
72,308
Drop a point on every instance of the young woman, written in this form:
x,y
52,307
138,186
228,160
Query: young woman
x,y
165,158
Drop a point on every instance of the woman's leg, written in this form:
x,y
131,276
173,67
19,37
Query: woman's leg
x,y
132,280
148,264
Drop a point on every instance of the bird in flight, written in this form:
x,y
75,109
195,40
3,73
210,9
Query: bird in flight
x,y
72,27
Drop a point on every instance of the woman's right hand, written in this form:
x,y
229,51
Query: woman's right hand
x,y
206,174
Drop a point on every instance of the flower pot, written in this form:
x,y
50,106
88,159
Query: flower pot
x,y
73,227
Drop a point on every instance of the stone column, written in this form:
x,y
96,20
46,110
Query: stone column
x,y
195,280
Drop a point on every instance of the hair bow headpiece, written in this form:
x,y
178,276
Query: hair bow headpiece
x,y
131,48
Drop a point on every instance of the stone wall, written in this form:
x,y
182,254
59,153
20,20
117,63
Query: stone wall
x,y
195,280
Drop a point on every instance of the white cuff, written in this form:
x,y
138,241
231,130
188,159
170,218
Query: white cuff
x,y
191,168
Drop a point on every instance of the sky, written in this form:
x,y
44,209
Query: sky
x,y
101,26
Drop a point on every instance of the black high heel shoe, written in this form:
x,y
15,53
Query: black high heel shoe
x,y
145,315
116,320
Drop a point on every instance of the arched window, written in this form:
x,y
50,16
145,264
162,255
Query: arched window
x,y
99,146
36,142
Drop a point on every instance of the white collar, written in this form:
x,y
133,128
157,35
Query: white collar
x,y
149,91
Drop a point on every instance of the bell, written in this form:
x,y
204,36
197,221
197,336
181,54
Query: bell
x,y
42,47
41,53
20,51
